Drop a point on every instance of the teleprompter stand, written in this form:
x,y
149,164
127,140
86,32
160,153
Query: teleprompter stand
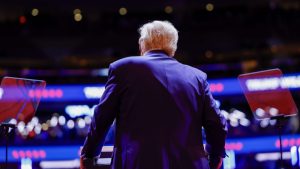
x,y
17,103
280,119
268,96
5,127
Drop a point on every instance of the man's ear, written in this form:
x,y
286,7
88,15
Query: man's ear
x,y
142,49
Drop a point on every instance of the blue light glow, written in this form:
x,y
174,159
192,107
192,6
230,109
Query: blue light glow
x,y
294,155
229,162
238,146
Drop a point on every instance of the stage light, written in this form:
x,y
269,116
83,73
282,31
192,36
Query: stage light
x,y
87,119
100,72
234,123
273,111
62,120
260,112
81,123
76,11
294,155
29,127
26,163
122,11
209,54
264,123
78,17
244,122
38,129
53,121
25,132
21,126
13,121
107,149
273,122
79,110
93,92
34,12
237,114
235,118
225,114
60,164
46,93
104,161
290,82
168,9
298,156
216,87
272,156
218,103
45,126
209,7
70,124
34,121
22,20
229,162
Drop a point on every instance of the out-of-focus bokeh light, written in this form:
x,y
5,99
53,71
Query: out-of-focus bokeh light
x,y
168,9
78,17
53,121
13,121
123,11
21,126
22,20
62,120
45,126
81,123
38,129
264,123
234,123
70,124
87,120
34,121
209,7
30,126
209,54
245,122
26,163
34,12
76,11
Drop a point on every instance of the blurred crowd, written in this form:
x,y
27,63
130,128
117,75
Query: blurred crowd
x,y
61,129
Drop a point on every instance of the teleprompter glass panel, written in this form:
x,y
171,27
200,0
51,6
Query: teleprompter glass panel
x,y
267,94
19,98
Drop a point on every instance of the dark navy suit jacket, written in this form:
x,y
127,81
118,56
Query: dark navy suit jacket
x,y
160,107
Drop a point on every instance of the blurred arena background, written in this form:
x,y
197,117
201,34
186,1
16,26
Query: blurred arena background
x,y
70,44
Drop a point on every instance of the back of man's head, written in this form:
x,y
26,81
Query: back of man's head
x,y
158,35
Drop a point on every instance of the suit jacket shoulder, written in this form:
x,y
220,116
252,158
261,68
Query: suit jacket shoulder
x,y
197,72
126,61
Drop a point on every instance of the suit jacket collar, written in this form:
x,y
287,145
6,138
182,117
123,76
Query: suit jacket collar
x,y
156,52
